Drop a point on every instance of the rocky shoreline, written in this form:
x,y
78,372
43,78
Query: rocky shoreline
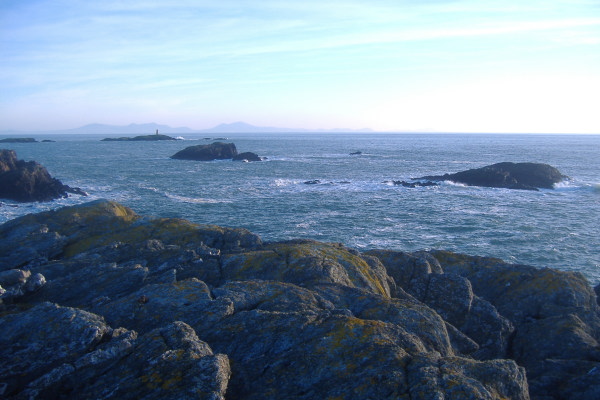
x,y
99,302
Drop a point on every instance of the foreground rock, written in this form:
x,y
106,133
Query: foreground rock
x,y
143,138
29,181
215,151
527,176
132,307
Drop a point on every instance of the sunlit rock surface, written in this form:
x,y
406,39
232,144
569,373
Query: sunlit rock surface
x,y
124,306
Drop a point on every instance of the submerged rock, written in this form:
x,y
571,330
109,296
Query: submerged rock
x,y
137,307
527,176
29,181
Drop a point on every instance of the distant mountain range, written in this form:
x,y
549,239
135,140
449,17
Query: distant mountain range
x,y
149,128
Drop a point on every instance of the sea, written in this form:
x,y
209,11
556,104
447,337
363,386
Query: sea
x,y
350,198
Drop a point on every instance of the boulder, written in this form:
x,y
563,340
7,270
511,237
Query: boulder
x,y
527,176
29,181
207,152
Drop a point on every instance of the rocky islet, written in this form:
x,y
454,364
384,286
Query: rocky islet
x,y
509,175
28,181
215,151
99,302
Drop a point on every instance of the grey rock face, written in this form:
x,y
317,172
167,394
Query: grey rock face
x,y
528,176
452,296
136,307
555,315
207,152
247,156
29,181
82,357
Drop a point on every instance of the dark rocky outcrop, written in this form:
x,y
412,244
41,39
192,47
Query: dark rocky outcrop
x,y
527,176
99,302
413,184
143,138
215,151
247,156
18,140
207,152
29,181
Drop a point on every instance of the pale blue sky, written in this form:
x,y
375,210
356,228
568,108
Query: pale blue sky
x,y
463,65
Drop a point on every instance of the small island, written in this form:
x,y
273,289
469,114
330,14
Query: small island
x,y
18,140
215,151
142,138
508,175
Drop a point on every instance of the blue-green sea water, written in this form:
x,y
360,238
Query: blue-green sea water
x,y
353,204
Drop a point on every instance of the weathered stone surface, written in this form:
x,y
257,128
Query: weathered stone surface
x,y
207,152
29,181
308,263
433,377
528,176
36,341
82,357
555,313
16,283
451,295
134,307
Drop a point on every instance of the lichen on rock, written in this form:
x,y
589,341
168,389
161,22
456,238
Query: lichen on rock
x,y
137,307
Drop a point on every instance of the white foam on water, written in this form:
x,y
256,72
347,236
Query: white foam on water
x,y
195,200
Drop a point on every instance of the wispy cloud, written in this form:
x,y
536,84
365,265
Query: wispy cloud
x,y
196,49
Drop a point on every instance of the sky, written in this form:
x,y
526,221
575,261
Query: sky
x,y
403,65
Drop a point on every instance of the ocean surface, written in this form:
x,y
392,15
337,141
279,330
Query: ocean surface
x,y
353,204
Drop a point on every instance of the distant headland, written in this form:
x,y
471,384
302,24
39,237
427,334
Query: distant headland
x,y
140,129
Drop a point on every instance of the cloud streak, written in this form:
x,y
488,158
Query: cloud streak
x,y
195,50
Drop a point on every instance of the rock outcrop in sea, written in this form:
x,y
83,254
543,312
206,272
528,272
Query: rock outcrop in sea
x,y
525,176
28,181
215,151
99,302
18,140
143,138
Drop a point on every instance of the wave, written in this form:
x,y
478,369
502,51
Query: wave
x,y
195,200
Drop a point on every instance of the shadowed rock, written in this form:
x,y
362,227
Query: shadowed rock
x,y
247,156
207,152
82,357
29,181
527,176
